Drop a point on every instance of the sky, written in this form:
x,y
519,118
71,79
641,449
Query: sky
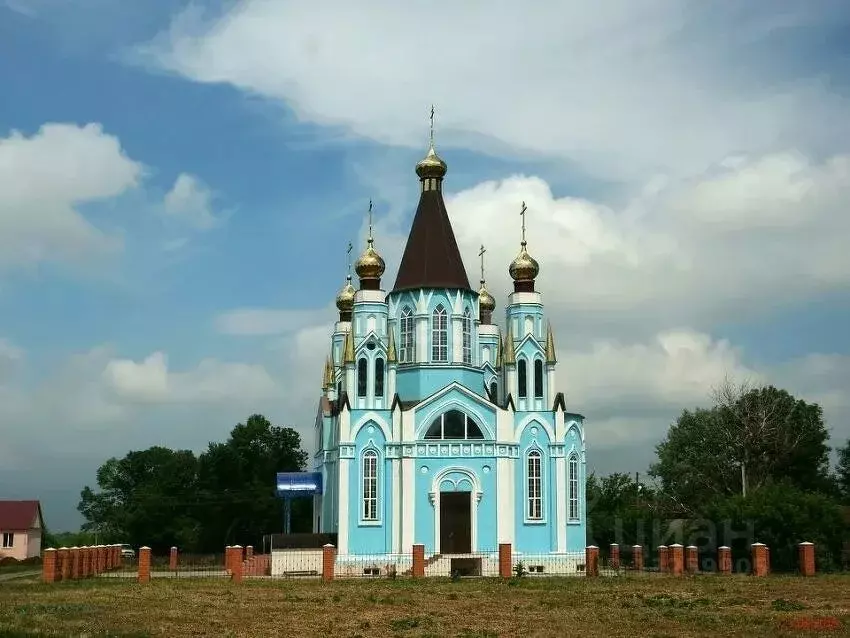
x,y
179,182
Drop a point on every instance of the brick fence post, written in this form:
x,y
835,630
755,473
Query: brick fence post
x,y
760,559
98,559
237,565
637,558
118,558
249,552
677,559
102,558
328,562
505,560
418,570
63,557
75,563
806,553
591,560
614,555
144,564
724,560
172,559
663,559
48,565
692,559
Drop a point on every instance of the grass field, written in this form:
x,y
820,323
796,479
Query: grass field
x,y
634,607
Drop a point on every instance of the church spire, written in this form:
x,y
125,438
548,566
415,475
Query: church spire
x,y
508,356
550,346
486,303
392,357
345,298
370,266
431,257
348,349
524,268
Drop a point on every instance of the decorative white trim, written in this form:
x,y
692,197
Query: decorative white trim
x,y
534,419
561,503
534,447
408,501
343,504
395,495
376,419
370,448
579,500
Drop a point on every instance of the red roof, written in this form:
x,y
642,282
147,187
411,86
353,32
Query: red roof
x,y
18,515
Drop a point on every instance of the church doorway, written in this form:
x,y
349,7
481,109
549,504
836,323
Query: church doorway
x,y
455,522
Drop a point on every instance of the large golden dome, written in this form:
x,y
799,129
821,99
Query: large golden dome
x,y
524,267
486,303
345,298
370,265
431,165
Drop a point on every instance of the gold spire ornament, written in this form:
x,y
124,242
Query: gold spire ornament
x,y
486,303
370,265
392,357
499,355
508,356
348,349
328,381
431,165
550,346
524,268
345,298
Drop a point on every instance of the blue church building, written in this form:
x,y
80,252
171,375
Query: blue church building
x,y
436,425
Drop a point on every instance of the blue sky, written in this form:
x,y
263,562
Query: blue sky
x,y
687,173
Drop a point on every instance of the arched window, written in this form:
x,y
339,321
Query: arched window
x,y
407,351
379,378
534,509
453,424
538,379
467,336
573,487
440,335
370,485
522,379
494,390
361,377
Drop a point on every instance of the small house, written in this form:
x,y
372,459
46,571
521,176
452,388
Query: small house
x,y
21,527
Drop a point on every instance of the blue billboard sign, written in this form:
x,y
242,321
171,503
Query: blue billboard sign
x,y
298,484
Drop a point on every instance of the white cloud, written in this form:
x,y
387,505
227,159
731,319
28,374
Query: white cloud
x,y
190,201
618,86
44,178
212,381
266,321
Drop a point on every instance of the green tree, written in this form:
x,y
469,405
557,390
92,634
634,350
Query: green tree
x,y
144,498
750,438
236,484
843,472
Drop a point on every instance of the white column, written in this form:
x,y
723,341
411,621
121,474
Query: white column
x,y
422,339
395,477
342,530
457,339
408,503
561,502
390,385
349,383
550,382
505,525
510,382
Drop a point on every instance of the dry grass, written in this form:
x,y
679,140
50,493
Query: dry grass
x,y
631,607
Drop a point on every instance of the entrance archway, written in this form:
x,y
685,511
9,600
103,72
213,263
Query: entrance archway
x,y
455,494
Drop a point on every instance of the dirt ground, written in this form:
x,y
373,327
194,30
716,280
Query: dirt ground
x,y
633,607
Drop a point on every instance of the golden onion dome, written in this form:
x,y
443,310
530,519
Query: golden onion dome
x,y
345,298
486,303
524,267
370,265
431,165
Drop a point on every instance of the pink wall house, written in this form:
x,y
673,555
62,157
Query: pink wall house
x,y
21,526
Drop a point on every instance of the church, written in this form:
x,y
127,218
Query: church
x,y
436,425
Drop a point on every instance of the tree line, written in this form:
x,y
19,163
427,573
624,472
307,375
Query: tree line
x,y
753,466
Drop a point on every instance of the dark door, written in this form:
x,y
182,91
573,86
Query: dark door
x,y
455,522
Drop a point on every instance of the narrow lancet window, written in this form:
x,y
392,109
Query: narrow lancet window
x,y
379,378
361,377
407,351
535,486
522,378
440,335
370,485
538,379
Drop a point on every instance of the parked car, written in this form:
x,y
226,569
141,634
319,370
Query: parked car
x,y
127,552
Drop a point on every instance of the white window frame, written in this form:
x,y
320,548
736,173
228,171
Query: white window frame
x,y
407,336
440,335
534,504
573,480
370,499
466,325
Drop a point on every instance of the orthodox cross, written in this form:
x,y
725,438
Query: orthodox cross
x,y
370,220
481,254
348,253
522,214
432,125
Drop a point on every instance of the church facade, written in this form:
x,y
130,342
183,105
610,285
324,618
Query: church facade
x,y
436,426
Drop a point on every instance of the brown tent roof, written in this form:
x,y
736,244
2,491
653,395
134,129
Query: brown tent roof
x,y
19,515
431,258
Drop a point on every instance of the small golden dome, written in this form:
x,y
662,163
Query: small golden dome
x,y
524,267
486,303
345,298
431,165
370,265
